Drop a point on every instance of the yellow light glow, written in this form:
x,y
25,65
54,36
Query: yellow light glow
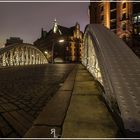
x,y
61,40
46,52
123,1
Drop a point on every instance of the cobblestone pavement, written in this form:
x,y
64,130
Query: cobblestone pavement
x,y
24,91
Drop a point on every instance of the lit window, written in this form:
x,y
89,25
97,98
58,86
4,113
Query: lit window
x,y
135,31
139,18
124,26
135,19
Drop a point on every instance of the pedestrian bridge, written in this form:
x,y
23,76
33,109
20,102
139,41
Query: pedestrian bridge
x,y
117,68
21,54
109,60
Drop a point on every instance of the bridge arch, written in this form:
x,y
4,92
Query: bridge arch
x,y
21,54
117,68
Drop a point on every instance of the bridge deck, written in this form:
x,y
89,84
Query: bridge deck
x,y
27,108
88,116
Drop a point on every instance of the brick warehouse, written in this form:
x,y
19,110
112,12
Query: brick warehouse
x,y
123,18
69,51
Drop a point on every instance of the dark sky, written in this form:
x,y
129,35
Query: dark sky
x,y
25,20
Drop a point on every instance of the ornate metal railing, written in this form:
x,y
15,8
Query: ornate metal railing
x,y
21,54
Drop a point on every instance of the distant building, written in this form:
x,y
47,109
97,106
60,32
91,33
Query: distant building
x,y
123,18
13,40
69,50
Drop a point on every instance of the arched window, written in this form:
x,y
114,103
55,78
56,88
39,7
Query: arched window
x,y
124,5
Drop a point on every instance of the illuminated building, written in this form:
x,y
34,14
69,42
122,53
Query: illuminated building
x,y
69,51
123,18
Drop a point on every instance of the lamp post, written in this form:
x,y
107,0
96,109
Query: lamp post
x,y
46,52
59,41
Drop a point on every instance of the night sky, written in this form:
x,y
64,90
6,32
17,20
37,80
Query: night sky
x,y
25,20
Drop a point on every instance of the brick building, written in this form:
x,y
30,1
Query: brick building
x,y
123,18
69,50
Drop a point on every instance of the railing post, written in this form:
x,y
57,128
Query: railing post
x,y
39,59
11,57
36,59
17,56
33,56
3,60
27,56
30,55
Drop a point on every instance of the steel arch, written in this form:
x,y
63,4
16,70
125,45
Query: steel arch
x,y
117,68
21,54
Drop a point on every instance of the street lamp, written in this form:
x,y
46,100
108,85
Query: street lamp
x,y
59,41
46,52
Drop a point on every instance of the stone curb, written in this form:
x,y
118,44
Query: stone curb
x,y
49,123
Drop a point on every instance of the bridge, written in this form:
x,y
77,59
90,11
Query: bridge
x,y
117,68
114,67
21,54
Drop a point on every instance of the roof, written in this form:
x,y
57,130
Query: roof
x,y
65,30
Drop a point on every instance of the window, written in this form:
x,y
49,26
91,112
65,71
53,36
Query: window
x,y
113,15
124,16
135,19
102,8
124,26
113,5
113,25
124,5
102,17
136,7
135,31
138,18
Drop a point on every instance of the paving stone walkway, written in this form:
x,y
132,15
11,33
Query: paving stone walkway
x,y
24,91
87,115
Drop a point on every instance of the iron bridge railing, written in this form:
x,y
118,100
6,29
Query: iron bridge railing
x,y
21,54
